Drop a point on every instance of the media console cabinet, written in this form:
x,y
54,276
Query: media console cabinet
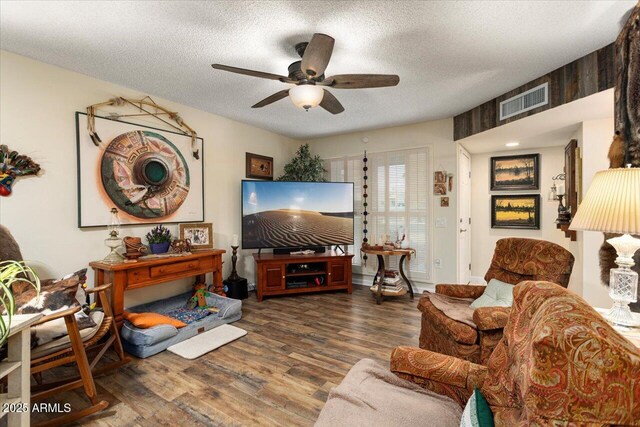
x,y
293,274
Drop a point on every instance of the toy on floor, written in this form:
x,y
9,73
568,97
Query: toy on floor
x,y
199,299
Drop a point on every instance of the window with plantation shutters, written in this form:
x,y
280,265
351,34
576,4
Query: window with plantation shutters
x,y
399,202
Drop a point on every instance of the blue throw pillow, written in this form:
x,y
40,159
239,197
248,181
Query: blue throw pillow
x,y
496,294
477,413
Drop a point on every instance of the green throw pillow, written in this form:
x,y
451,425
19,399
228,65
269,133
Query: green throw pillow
x,y
477,413
496,294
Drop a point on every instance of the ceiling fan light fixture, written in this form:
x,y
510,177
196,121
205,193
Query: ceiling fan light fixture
x,y
306,96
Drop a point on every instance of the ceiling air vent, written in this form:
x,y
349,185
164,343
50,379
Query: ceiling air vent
x,y
533,98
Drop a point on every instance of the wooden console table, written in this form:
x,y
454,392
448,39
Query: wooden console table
x,y
277,274
143,273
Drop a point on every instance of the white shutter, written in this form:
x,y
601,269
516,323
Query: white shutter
x,y
399,196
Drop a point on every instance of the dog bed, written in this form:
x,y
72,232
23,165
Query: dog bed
x,y
143,343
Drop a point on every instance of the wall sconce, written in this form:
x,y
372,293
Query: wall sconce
x,y
553,192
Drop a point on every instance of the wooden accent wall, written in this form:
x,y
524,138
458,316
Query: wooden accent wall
x,y
590,74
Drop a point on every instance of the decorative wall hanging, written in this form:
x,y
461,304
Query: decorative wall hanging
x,y
365,204
515,211
138,169
259,167
520,172
145,107
625,148
439,183
13,165
444,202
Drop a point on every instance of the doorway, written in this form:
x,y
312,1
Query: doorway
x,y
464,215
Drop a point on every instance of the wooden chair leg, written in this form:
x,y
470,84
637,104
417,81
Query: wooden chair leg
x,y
81,359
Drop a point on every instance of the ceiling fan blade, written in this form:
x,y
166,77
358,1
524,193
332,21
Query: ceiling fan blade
x,y
331,104
317,55
252,73
273,98
361,81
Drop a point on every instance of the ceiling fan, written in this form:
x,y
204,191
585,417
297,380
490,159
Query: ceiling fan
x,y
308,77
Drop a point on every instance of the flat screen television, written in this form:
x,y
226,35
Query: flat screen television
x,y
283,214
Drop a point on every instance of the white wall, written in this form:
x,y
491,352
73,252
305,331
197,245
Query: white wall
x,y
484,238
438,135
594,140
37,110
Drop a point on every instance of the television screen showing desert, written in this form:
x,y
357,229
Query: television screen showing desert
x,y
296,214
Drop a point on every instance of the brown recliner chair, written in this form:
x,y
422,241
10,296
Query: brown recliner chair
x,y
514,260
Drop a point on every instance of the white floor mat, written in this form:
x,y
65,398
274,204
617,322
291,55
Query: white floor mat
x,y
208,341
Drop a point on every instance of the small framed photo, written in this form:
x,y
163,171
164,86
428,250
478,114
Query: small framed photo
x,y
439,189
520,172
439,177
259,167
515,211
199,233
444,202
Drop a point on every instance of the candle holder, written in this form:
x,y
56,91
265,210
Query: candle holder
x,y
564,216
234,258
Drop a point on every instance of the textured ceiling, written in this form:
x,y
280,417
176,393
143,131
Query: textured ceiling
x,y
450,56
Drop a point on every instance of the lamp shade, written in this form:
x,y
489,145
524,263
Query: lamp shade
x,y
612,204
306,96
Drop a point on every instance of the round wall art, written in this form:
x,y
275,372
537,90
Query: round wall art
x,y
144,174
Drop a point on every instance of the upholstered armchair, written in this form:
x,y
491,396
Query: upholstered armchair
x,y
559,363
514,260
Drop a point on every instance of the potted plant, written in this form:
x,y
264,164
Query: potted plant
x,y
159,239
304,167
11,272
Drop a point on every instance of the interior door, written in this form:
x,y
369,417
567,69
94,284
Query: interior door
x,y
464,216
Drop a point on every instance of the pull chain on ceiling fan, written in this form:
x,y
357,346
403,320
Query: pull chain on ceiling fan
x,y
308,77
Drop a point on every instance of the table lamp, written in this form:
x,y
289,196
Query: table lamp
x,y
612,205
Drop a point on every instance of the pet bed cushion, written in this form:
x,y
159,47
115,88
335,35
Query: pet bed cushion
x,y
148,336
147,342
149,320
188,315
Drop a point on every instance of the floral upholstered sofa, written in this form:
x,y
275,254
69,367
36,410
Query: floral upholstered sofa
x,y
559,363
514,260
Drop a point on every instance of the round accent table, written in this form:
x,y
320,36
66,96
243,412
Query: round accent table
x,y
379,277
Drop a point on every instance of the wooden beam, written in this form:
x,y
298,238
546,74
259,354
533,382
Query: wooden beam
x,y
585,76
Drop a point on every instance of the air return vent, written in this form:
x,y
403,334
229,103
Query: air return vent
x,y
533,98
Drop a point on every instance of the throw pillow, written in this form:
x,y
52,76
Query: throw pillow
x,y
496,294
477,412
149,320
55,296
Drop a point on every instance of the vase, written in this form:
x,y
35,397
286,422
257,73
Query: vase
x,y
159,248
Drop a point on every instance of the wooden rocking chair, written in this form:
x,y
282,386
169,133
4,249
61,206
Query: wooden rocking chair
x,y
77,351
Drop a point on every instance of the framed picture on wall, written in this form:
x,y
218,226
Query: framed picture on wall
x,y
520,172
515,211
148,174
259,167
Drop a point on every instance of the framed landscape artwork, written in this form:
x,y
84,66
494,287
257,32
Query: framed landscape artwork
x,y
515,211
521,172
260,167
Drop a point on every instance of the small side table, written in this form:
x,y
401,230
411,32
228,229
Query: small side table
x,y
632,334
403,254
17,368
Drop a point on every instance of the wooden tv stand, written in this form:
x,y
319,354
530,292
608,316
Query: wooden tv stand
x,y
286,274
